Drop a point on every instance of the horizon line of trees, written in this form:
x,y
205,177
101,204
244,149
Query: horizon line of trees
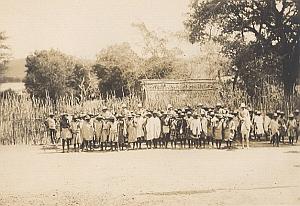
x,y
253,41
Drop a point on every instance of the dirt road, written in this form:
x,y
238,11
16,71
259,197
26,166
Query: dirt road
x,y
257,176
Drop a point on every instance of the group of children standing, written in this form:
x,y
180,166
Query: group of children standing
x,y
187,127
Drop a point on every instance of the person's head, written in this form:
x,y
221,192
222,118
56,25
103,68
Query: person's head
x,y
219,105
149,114
291,116
124,106
99,118
111,119
64,115
195,115
189,113
87,118
297,112
51,115
181,115
230,117
104,109
243,106
170,107
258,113
200,105
275,115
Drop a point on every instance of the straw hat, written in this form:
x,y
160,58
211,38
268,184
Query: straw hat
x,y
169,106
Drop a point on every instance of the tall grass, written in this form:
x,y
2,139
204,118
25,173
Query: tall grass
x,y
22,117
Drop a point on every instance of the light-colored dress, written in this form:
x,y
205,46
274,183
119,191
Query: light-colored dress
x,y
140,121
131,131
87,131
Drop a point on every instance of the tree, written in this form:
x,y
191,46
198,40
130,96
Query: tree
x,y
48,72
111,80
4,53
121,56
160,61
83,81
261,37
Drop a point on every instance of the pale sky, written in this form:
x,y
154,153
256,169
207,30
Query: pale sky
x,y
84,27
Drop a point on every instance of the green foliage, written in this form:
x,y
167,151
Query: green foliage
x,y
4,53
159,60
262,37
111,80
122,65
83,81
48,73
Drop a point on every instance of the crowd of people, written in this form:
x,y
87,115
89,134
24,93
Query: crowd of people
x,y
197,127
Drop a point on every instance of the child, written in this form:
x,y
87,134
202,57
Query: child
x,y
274,130
113,134
121,132
131,132
65,132
203,135
189,119
229,131
105,133
51,125
219,131
258,125
165,121
140,133
74,125
291,128
98,124
173,124
181,129
87,133
196,130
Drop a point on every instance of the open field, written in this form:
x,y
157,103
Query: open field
x,y
255,176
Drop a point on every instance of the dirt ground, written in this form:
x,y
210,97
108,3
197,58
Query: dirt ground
x,y
31,175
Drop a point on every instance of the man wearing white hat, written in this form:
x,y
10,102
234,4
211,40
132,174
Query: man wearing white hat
x,y
245,120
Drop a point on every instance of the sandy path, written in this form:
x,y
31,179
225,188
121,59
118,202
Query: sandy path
x,y
260,176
